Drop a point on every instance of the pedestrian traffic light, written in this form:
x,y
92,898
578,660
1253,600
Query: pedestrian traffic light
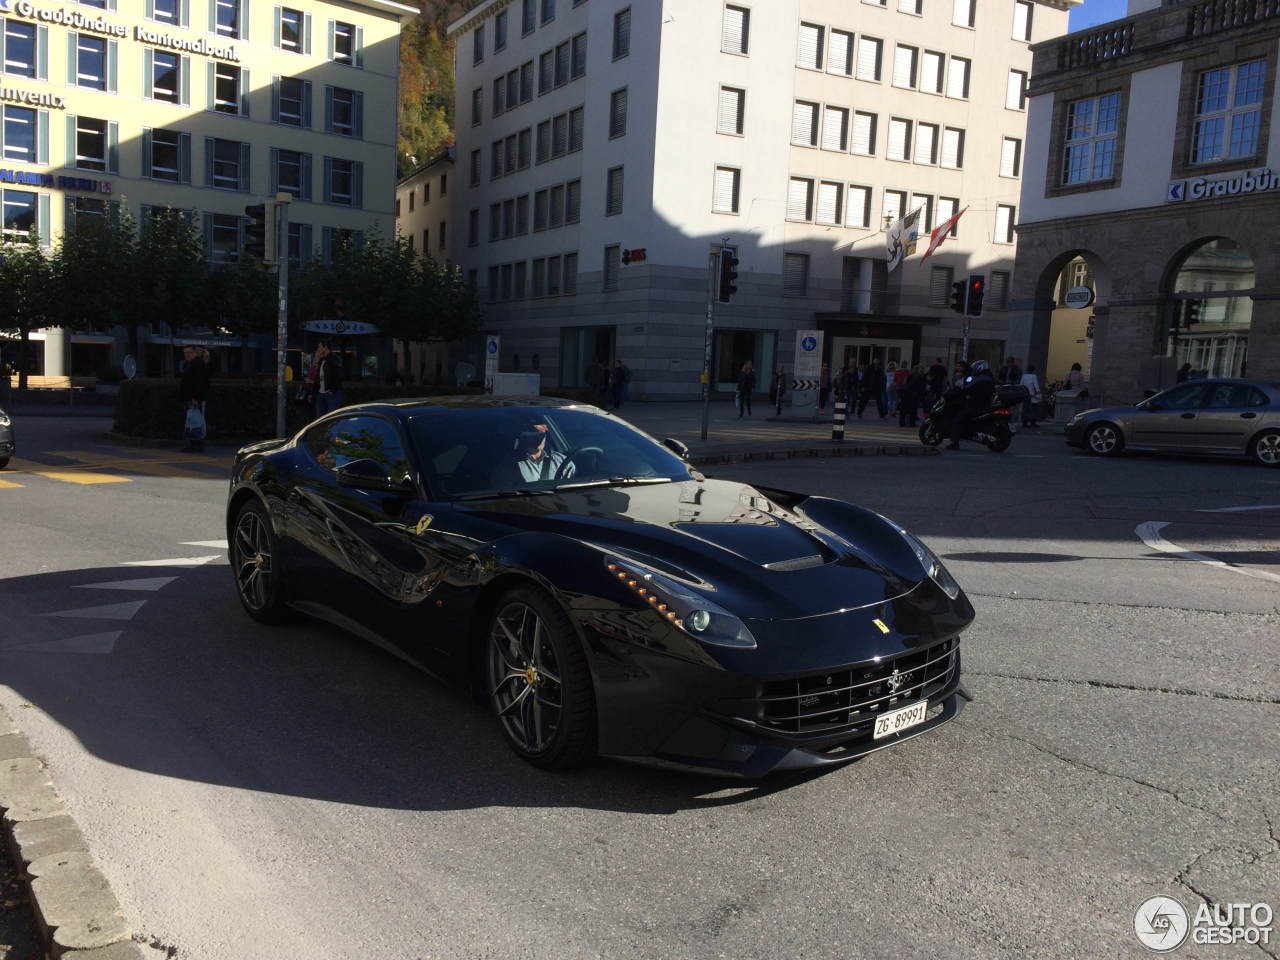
x,y
977,290
261,232
728,274
958,296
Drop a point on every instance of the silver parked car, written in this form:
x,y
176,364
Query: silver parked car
x,y
6,439
1228,417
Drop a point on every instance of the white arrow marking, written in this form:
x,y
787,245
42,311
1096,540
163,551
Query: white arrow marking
x,y
90,643
1272,506
179,562
150,584
1149,533
112,611
213,544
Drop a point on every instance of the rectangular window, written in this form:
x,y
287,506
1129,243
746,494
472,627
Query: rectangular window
x,y
91,144
509,152
998,290
553,276
412,195
835,129
895,202
499,96
795,274
573,202
475,167
618,113
20,134
477,106
224,235
952,148
344,182
513,89
495,222
579,57
1015,97
477,45
226,88
522,215
526,82
736,34
804,124
1228,112
562,64
926,143
830,203
493,284
923,203
613,193
899,139
345,109
226,164
577,126
473,227
443,234
166,76
958,78
517,290
167,11
495,160
557,206
840,53
528,17
864,134
914,7
962,13
544,142
1022,20
540,211
525,149
500,32
810,53
800,199
858,207
292,29
346,43
931,70
869,58
539,282
1092,128
1010,157
940,280
293,107
732,113
947,207
228,18
904,66
91,62
20,49
548,11
1005,218
290,169
724,198
622,34
546,72
612,264
570,274
559,135
166,155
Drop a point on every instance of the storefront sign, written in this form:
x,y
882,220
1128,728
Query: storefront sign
x,y
32,99
635,255
1226,186
67,18
1078,298
343,328
27,178
82,184
202,46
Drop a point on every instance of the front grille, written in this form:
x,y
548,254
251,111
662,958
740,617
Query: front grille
x,y
842,701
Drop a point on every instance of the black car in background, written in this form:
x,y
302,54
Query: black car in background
x,y
6,438
603,596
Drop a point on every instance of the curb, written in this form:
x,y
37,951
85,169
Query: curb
x,y
128,441
78,915
831,448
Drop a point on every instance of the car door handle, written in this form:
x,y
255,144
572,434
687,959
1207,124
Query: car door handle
x,y
1188,416
1247,416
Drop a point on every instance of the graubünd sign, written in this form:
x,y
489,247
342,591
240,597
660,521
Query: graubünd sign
x,y
78,20
1229,185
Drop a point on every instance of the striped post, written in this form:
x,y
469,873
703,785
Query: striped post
x,y
837,421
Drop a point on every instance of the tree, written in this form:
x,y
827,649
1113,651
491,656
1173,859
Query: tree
x,y
170,271
242,300
29,295
97,264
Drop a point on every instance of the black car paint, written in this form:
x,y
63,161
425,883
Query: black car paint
x,y
363,560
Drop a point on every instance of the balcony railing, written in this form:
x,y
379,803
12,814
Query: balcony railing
x,y
1097,47
1214,15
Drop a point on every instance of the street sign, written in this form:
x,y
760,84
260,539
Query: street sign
x,y
492,347
808,369
805,384
1078,298
341,328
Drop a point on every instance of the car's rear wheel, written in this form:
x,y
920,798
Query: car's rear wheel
x,y
1265,448
539,682
255,560
1104,440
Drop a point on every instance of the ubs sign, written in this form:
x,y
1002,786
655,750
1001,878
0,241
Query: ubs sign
x,y
1229,185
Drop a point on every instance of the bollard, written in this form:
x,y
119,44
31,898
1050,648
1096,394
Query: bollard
x,y
837,421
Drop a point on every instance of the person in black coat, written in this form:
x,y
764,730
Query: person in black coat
x,y
873,384
746,383
328,379
194,390
977,390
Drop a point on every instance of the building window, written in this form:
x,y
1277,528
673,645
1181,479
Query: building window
x,y
20,49
557,206
830,203
864,134
508,218
931,71
811,42
858,207
20,134
952,148
795,274
899,139
167,11
800,199
913,7
495,222
292,30
493,284
166,76
521,273
724,197
510,153
559,135
19,212
525,149
1022,20
293,174
500,32
444,188
926,143
576,126
227,156
543,142
940,280
528,17
895,202
840,53
227,18
570,274
477,45
91,62
499,96
573,201
294,102
477,106
804,124
1092,128
539,280
562,64
998,290
1015,97
91,144
475,168
224,238
553,276
962,13
473,227
622,34
548,11
612,264
442,234
344,184
923,203
732,114
226,88
1005,218
546,72
870,52
1228,112
905,60
345,112
540,211
618,113
513,89
522,215
835,128
1010,157
736,34
526,82
613,193
579,56
958,78
166,156
947,207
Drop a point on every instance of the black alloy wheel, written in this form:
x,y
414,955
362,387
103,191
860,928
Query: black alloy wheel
x,y
929,434
1265,448
539,682
1104,440
256,564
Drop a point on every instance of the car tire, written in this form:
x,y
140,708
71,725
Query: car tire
x,y
538,681
929,434
257,565
4,462
1104,440
1265,448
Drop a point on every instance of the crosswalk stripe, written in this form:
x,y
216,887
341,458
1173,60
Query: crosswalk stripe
x,y
149,584
165,467
89,643
6,483
67,476
111,611
178,562
215,544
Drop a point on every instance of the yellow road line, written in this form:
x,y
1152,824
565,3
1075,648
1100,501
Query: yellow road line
x,y
148,466
6,483
81,477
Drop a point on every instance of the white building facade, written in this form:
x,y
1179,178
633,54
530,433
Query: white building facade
x,y
604,145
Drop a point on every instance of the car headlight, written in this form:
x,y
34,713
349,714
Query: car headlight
x,y
933,566
1076,419
680,606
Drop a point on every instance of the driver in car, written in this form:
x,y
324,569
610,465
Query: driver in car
x,y
535,461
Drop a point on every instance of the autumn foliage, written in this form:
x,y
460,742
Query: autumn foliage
x,y
426,82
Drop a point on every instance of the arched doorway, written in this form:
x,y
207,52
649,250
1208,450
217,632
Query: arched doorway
x,y
1209,308
1071,306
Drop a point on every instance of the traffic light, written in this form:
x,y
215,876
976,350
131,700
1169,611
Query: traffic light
x,y
977,290
261,232
958,296
728,274
1194,310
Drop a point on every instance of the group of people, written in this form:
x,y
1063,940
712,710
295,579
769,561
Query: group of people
x,y
611,379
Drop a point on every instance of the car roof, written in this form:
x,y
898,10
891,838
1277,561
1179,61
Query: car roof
x,y
1260,384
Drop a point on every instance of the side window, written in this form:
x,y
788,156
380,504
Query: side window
x,y
1233,395
1185,397
1258,399
361,438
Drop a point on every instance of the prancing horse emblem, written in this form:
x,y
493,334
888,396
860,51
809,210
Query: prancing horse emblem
x,y
424,521
896,680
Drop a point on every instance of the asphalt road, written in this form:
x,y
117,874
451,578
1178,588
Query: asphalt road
x,y
297,793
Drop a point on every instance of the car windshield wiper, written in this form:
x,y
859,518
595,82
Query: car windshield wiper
x,y
502,494
613,482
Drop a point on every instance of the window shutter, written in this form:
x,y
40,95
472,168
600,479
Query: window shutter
x,y
840,53
42,53
148,72
244,168
1004,225
904,66
799,199
275,98
573,201
359,57
328,180
962,13
579,56
306,40
1015,98
940,285
923,203
618,113
1022,21
210,81
947,210
926,142
357,112
804,123
931,72
528,22
858,207
829,203
305,176
357,187
184,81
999,289
725,196
184,158
146,153
899,138
275,26
958,78
910,6
810,54
729,119
835,128
952,148
242,21
306,104
208,236
622,34
273,171
795,274
328,109
42,137
1009,151
614,205
71,140
330,48
735,30
208,161
868,59
184,13
113,147
864,133
72,57
244,91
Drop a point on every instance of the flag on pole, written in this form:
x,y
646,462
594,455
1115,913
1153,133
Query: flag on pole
x,y
901,238
940,233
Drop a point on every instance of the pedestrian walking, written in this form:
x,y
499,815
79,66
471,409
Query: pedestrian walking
x,y
824,388
873,388
910,396
1075,378
194,392
328,378
1029,406
626,381
777,387
746,383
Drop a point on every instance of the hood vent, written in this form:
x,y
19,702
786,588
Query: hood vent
x,y
800,563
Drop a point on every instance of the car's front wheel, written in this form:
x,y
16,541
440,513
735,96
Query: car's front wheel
x,y
539,683
1266,448
256,562
4,462
1104,440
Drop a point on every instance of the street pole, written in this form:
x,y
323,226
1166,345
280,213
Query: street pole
x,y
282,324
964,349
713,271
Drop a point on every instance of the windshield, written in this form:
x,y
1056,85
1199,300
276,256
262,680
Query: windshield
x,y
503,450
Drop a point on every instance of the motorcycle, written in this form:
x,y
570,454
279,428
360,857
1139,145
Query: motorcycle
x,y
993,427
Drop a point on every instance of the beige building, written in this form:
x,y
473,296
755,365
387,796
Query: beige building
x,y
422,207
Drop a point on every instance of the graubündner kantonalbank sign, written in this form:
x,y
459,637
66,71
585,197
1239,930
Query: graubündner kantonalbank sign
x,y
79,20
1229,185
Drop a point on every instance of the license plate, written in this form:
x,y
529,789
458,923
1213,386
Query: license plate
x,y
895,721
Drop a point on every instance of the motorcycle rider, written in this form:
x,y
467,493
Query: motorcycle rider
x,y
977,390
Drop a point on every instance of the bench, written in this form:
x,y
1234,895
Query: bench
x,y
35,382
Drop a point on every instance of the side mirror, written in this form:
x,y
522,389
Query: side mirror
x,y
681,450
365,474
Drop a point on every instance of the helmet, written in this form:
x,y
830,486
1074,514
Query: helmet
x,y
980,367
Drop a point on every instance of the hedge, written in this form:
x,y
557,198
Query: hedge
x,y
239,409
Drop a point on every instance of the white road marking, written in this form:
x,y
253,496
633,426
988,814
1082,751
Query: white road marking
x,y
89,643
149,584
212,544
1269,506
178,562
1149,533
112,611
